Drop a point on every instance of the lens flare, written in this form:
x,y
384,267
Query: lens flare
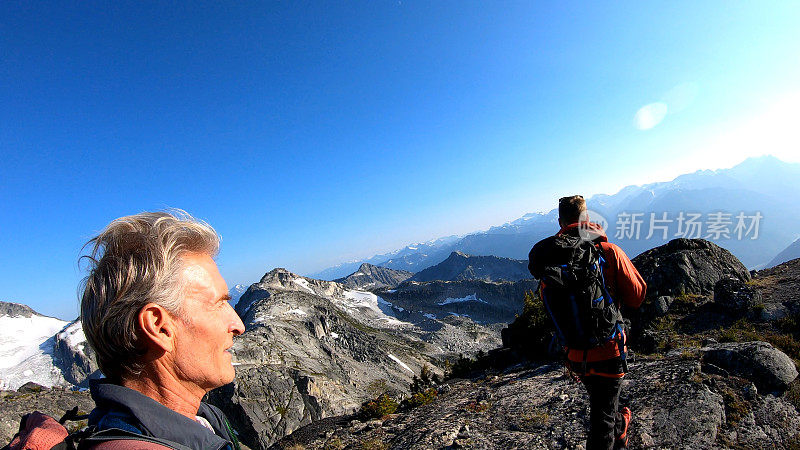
x,y
650,115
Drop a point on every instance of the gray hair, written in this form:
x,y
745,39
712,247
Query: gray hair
x,y
134,261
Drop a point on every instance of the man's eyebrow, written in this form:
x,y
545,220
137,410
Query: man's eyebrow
x,y
225,298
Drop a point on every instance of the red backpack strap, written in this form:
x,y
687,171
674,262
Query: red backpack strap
x,y
128,444
118,439
38,431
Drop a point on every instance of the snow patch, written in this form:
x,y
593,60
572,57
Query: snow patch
x,y
402,364
303,284
361,299
469,298
296,311
21,337
430,316
26,351
334,335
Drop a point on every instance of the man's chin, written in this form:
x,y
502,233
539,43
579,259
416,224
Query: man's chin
x,y
230,376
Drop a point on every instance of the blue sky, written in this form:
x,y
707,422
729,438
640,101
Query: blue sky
x,y
310,133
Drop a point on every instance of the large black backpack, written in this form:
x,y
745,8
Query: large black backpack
x,y
573,291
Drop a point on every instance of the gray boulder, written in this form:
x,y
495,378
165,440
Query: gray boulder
x,y
768,368
661,304
687,266
735,296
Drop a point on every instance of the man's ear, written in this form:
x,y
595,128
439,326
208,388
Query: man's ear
x,y
157,327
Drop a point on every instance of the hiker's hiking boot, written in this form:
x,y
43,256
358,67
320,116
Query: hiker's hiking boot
x,y
621,441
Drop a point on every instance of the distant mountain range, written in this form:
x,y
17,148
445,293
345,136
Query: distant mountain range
x,y
760,191
236,292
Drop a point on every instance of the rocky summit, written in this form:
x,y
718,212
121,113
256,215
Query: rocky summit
x,y
371,277
460,266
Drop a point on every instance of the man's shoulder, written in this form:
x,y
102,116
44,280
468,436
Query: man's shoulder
x,y
609,246
544,244
613,251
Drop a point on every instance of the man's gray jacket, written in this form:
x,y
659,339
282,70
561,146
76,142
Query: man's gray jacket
x,y
122,408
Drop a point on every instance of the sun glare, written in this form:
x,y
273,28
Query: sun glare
x,y
650,115
773,131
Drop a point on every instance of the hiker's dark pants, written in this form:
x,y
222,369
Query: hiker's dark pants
x,y
605,422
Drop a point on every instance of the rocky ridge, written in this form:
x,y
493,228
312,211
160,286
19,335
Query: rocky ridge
x,y
16,310
485,302
315,349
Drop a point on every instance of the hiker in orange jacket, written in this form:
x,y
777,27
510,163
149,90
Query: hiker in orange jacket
x,y
601,368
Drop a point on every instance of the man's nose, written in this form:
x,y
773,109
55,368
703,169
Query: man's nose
x,y
236,326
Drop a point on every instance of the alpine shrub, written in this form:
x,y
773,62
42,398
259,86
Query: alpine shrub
x,y
379,407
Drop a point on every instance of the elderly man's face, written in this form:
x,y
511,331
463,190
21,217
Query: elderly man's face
x,y
205,333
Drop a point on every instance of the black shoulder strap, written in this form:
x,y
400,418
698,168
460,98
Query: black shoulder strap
x,y
115,434
72,415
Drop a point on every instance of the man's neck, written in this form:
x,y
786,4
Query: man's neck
x,y
166,389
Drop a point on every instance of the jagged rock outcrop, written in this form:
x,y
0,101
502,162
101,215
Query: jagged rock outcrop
x,y
482,301
374,277
315,349
30,397
675,405
687,266
460,266
768,368
74,356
